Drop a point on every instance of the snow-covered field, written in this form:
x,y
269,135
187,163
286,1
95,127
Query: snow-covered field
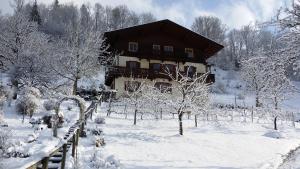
x,y
156,144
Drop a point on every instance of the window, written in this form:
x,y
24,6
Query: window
x,y
190,71
133,47
155,67
132,65
132,86
163,87
156,47
189,52
168,48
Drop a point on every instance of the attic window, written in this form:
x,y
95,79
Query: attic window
x,y
189,52
133,46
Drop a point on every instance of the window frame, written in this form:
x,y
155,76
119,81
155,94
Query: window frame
x,y
188,52
131,44
128,63
156,45
155,70
167,47
127,86
163,87
189,73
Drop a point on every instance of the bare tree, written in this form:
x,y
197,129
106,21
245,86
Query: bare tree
x,y
13,38
81,56
210,27
134,96
187,93
254,74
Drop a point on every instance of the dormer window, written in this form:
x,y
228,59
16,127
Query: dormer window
x,y
133,46
189,52
168,49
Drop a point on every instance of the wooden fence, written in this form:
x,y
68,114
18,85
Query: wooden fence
x,y
56,158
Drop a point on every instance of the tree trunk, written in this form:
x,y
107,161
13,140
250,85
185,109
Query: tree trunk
x,y
257,104
161,113
180,123
134,120
275,123
196,122
276,103
15,87
75,85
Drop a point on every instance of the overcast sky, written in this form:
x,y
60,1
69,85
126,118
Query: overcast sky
x,y
233,13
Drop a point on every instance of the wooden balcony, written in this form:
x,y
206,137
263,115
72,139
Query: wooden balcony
x,y
176,56
117,71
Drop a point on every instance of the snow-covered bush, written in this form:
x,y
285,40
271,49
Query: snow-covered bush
x,y
96,131
27,104
18,149
100,120
4,140
49,104
31,90
99,159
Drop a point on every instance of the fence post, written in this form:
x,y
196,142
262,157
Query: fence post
x,y
77,137
81,129
74,144
63,162
45,163
252,114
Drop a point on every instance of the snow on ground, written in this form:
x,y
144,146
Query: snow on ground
x,y
155,144
44,143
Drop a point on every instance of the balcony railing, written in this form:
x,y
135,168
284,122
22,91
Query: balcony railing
x,y
117,71
165,55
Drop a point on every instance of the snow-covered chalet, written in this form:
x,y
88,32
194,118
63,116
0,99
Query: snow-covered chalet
x,y
145,51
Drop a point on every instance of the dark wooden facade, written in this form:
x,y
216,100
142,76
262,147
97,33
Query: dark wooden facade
x,y
163,33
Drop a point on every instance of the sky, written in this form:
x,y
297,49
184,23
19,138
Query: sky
x,y
233,13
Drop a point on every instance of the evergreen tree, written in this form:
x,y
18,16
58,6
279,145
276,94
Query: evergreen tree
x,y
34,15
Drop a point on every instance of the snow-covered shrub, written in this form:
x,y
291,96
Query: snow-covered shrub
x,y
6,94
96,131
4,140
99,159
27,104
18,149
31,90
100,120
31,138
49,104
